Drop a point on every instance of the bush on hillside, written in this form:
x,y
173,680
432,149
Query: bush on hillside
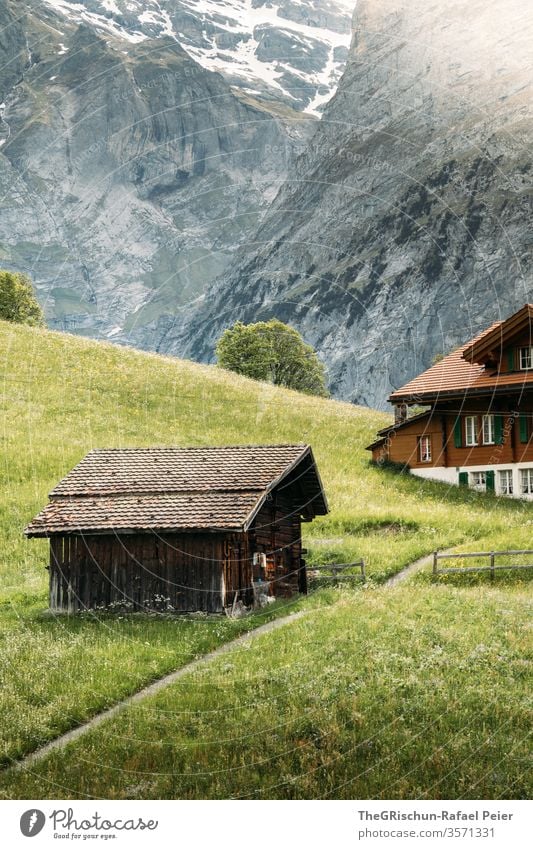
x,y
17,299
273,352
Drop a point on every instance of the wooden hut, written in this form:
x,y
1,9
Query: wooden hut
x,y
182,529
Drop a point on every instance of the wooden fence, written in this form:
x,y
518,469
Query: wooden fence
x,y
492,567
336,570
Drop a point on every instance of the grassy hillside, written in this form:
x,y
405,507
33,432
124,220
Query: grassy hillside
x,y
62,396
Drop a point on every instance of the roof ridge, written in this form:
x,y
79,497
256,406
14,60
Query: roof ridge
x,y
199,447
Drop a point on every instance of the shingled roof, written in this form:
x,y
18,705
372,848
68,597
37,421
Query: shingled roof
x,y
143,489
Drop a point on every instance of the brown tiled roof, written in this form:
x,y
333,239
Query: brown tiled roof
x,y
454,374
123,470
213,510
175,488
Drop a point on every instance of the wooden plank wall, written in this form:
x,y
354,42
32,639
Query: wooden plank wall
x,y
277,532
403,444
172,572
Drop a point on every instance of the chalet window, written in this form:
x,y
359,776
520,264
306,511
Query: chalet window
x,y
424,449
527,481
488,430
524,428
526,357
505,482
478,480
471,430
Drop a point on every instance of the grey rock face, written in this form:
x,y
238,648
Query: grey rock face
x,y
13,47
260,47
405,226
129,175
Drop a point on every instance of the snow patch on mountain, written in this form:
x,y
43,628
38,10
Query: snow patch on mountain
x,y
79,13
293,50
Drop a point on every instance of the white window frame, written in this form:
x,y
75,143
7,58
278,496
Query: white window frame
x,y
478,480
471,431
424,453
526,481
488,432
526,357
506,488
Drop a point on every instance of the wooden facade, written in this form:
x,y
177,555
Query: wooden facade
x,y
446,429
196,569
167,572
277,534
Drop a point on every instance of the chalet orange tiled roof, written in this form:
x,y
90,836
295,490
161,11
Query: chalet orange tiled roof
x,y
454,374
148,489
498,334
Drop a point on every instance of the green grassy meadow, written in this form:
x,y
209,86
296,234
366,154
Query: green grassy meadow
x,y
60,397
381,695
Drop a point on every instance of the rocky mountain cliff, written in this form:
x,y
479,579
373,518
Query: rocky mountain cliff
x,y
129,174
290,51
405,225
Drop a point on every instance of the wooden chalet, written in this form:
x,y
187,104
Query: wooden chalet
x,y
183,529
477,428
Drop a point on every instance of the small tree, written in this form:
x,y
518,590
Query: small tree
x,y
17,300
273,352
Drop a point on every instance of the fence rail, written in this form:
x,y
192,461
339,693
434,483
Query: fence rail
x,y
336,568
492,567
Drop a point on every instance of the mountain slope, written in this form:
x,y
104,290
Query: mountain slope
x,y
129,174
292,52
404,227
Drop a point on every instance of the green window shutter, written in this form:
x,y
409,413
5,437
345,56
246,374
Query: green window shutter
x,y
458,433
523,428
489,477
498,430
510,359
463,478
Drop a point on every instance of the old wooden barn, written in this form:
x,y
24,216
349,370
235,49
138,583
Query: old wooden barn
x,y
183,529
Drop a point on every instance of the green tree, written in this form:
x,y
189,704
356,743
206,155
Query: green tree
x,y
17,300
273,352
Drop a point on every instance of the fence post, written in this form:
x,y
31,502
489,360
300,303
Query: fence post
x,y
363,574
492,565
435,556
